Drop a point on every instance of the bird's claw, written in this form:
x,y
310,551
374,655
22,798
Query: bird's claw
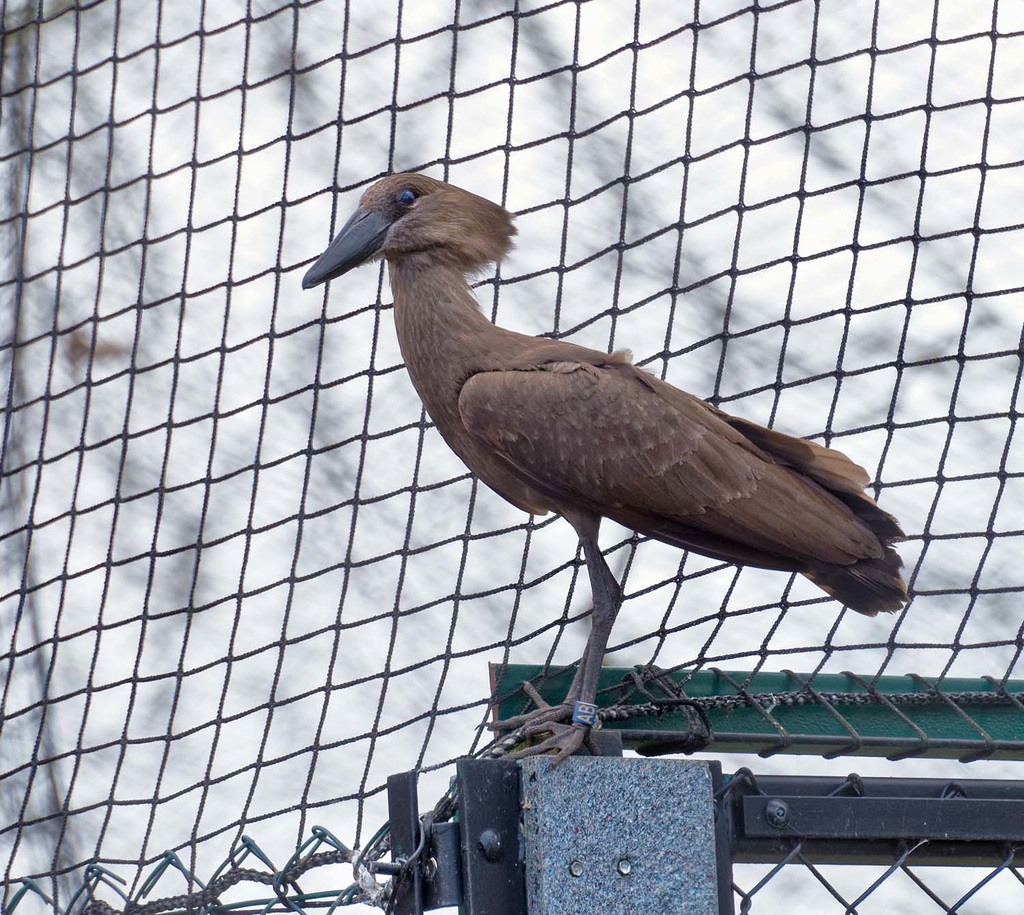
x,y
552,714
543,713
565,739
566,735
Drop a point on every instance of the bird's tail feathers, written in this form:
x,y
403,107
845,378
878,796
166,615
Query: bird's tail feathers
x,y
883,525
869,586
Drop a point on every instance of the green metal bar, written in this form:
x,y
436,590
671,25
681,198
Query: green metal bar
x,y
805,726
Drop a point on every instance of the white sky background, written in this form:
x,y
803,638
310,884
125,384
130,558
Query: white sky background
x,y
246,342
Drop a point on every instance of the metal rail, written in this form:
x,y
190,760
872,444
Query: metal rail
x,y
766,713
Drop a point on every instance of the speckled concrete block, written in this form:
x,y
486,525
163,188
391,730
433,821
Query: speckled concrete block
x,y
613,836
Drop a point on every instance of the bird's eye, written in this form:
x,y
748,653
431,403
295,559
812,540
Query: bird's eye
x,y
406,198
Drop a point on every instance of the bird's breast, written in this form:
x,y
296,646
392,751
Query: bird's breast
x,y
440,359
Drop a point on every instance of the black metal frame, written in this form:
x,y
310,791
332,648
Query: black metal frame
x,y
966,823
477,862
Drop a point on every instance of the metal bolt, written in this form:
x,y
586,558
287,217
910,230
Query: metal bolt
x,y
776,812
624,867
576,868
491,845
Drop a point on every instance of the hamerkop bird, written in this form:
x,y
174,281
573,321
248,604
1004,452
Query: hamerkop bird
x,y
552,426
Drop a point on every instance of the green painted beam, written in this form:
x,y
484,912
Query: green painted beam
x,y
807,726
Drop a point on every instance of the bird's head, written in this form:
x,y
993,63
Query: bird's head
x,y
409,215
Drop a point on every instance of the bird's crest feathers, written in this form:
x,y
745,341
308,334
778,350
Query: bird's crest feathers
x,y
446,223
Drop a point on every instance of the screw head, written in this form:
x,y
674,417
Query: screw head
x,y
776,812
576,867
491,845
624,867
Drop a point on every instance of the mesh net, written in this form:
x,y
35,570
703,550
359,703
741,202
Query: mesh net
x,y
244,580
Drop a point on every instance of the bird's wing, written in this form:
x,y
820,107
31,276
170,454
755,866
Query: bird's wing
x,y
831,469
623,444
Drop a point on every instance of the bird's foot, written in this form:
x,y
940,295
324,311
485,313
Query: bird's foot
x,y
543,712
565,740
566,735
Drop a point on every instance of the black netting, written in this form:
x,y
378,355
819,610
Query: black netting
x,y
243,579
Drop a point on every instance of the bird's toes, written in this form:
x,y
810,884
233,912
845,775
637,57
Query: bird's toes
x,y
564,741
534,694
549,714
569,743
543,711
537,728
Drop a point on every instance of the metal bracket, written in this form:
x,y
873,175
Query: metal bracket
x,y
971,822
443,870
492,849
434,880
403,814
883,818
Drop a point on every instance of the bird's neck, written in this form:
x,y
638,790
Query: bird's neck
x,y
443,335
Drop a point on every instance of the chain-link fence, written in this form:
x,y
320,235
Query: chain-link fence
x,y
244,580
897,867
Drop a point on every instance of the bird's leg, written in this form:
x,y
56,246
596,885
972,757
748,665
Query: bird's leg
x,y
566,737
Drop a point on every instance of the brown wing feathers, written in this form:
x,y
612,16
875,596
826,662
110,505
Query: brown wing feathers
x,y
637,450
833,470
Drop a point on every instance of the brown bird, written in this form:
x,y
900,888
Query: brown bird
x,y
552,426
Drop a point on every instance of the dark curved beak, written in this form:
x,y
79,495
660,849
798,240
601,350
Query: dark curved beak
x,y
359,239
